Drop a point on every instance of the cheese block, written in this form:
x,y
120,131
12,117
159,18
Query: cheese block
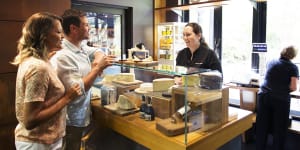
x,y
211,80
125,103
162,84
126,77
108,78
191,80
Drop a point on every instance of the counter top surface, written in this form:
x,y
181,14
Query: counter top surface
x,y
145,133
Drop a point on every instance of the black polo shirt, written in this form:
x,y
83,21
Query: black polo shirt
x,y
202,58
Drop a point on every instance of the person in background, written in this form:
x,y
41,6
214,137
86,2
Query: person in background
x,y
274,100
73,65
40,95
197,53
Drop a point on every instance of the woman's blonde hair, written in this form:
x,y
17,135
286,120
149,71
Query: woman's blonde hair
x,y
289,52
34,32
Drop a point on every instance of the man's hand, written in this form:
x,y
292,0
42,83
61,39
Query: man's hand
x,y
102,61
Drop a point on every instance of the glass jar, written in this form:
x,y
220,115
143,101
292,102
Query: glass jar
x,y
108,94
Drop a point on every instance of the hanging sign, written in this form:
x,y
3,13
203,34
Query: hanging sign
x,y
259,47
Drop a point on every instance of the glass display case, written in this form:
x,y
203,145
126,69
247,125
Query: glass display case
x,y
170,41
182,110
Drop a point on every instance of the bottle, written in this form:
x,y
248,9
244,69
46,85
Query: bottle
x,y
149,113
179,114
143,107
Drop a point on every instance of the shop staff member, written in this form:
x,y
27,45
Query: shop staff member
x,y
197,53
274,100
73,65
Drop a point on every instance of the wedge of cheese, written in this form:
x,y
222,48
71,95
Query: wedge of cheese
x,y
124,103
191,80
162,84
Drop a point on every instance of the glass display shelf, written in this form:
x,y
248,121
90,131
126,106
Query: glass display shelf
x,y
201,108
161,4
179,71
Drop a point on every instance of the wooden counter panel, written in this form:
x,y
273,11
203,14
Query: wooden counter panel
x,y
145,133
217,137
139,130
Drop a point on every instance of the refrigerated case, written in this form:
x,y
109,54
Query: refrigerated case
x,y
170,41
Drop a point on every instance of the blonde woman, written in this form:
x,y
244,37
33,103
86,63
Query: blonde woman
x,y
40,95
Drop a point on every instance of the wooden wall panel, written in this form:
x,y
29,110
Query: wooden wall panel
x,y
7,107
13,13
12,16
10,33
22,9
7,98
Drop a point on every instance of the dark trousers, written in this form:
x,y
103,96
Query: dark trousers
x,y
272,117
72,139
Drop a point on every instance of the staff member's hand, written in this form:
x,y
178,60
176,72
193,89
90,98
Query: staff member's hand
x,y
178,80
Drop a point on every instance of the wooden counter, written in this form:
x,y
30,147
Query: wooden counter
x,y
145,133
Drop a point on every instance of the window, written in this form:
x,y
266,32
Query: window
x,y
236,44
283,24
283,30
236,39
108,24
105,31
238,33
205,18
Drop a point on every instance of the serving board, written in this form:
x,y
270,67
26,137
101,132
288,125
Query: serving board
x,y
140,63
127,83
122,112
147,63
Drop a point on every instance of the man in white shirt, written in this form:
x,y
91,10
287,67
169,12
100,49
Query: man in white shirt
x,y
73,65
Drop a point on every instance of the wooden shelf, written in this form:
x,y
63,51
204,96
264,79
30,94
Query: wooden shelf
x,y
195,5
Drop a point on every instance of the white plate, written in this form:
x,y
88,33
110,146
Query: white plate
x,y
139,91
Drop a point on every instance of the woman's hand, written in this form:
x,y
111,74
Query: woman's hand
x,y
73,92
